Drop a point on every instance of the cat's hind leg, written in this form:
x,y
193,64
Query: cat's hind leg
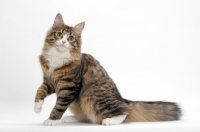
x,y
78,114
107,111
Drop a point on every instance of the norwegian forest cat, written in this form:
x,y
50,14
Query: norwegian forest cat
x,y
82,84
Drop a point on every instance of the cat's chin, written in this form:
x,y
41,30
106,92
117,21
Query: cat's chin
x,y
62,48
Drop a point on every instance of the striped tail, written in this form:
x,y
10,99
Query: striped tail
x,y
152,111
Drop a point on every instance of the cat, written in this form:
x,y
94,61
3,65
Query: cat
x,y
83,85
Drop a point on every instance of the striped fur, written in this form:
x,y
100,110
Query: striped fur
x,y
83,85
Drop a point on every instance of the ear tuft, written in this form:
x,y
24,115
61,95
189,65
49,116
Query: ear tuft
x,y
58,22
79,28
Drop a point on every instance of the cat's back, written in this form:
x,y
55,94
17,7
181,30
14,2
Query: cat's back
x,y
93,72
93,67
89,60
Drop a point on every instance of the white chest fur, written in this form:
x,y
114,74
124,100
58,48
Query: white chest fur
x,y
57,59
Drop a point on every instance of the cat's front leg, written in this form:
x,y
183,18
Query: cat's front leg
x,y
43,91
65,96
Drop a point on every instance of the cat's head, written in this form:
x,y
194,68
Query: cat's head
x,y
63,37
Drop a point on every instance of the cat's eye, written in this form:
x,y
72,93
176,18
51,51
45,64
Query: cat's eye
x,y
59,34
70,38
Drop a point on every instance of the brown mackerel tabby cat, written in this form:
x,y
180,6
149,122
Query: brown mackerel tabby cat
x,y
83,85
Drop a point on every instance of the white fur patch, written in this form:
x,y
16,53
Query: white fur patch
x,y
66,119
115,120
38,106
50,122
56,58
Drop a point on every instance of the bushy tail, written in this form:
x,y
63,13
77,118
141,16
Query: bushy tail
x,y
152,111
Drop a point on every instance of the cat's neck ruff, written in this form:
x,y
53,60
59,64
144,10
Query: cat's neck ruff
x,y
57,59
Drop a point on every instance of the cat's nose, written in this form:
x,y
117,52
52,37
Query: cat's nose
x,y
63,42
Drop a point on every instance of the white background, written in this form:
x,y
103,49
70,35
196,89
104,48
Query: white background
x,y
151,49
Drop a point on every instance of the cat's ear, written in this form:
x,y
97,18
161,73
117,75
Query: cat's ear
x,y
58,22
79,28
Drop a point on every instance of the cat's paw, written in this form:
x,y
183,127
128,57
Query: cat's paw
x,y
107,121
50,122
68,119
38,106
110,121
114,120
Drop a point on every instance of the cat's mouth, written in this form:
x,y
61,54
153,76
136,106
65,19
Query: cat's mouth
x,y
61,47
